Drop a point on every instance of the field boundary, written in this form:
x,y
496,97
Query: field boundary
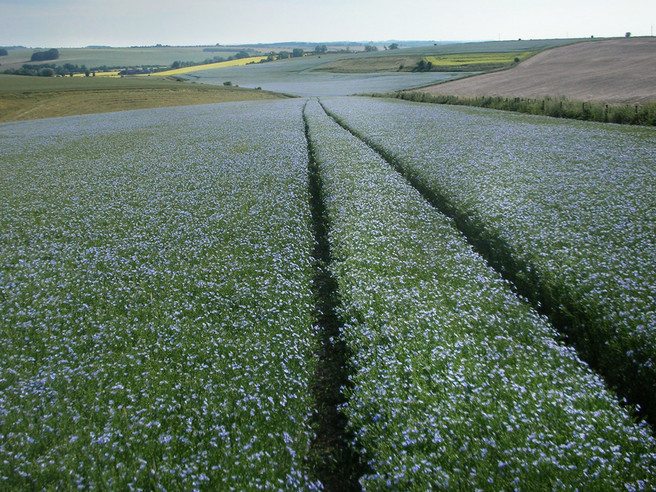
x,y
332,458
634,388
623,114
54,102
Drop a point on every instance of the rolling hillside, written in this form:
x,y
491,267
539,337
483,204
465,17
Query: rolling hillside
x,y
613,71
123,57
27,98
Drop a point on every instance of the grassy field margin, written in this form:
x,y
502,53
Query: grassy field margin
x,y
27,98
625,114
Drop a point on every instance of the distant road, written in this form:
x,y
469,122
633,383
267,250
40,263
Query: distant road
x,y
614,71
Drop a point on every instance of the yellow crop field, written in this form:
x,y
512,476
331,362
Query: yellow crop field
x,y
459,59
210,66
99,74
107,74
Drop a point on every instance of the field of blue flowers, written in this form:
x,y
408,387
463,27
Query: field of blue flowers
x,y
495,289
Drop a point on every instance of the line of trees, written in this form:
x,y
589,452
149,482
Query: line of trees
x,y
423,66
45,70
49,70
216,59
283,55
65,70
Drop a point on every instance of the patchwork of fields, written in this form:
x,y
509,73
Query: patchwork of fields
x,y
118,57
302,77
27,98
497,53
476,61
163,305
614,71
211,66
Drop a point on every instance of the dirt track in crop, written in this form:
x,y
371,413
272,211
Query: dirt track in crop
x,y
614,71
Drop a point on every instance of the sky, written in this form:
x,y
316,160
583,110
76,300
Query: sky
x,y
68,23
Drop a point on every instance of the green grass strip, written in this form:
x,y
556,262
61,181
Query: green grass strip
x,y
625,114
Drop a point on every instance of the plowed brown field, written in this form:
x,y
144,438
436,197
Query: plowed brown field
x,y
614,71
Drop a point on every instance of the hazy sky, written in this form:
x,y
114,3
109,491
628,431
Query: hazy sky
x,y
129,22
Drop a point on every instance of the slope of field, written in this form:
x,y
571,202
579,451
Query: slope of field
x,y
354,73
447,357
110,56
299,76
366,63
486,47
26,98
448,62
566,210
475,62
115,57
393,60
166,274
156,306
613,71
210,66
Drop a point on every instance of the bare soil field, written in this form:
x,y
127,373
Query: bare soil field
x,y
613,71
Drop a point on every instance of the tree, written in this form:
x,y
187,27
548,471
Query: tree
x,y
322,48
627,35
3,52
394,46
52,54
297,53
370,47
283,55
423,66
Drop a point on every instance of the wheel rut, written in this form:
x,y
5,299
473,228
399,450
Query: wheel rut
x,y
332,458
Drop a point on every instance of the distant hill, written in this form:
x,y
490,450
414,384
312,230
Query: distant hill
x,y
613,71
408,56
